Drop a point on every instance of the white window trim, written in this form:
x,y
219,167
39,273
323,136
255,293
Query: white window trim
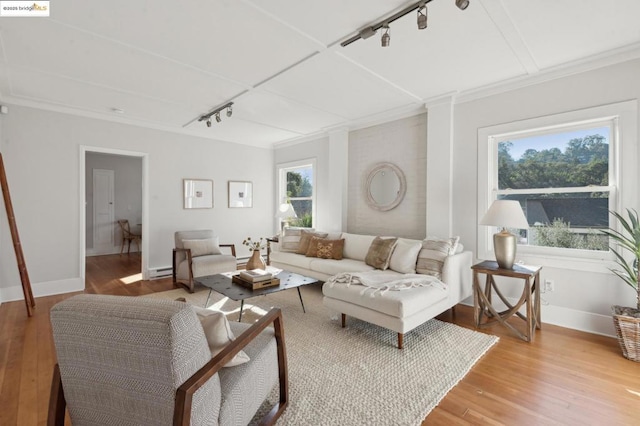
x,y
281,170
623,165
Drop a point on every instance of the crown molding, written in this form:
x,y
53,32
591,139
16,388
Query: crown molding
x,y
612,57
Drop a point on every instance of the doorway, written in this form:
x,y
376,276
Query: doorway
x,y
114,188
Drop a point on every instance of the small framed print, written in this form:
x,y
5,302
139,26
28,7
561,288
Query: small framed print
x,y
198,193
240,194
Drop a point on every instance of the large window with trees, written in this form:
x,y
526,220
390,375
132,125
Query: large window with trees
x,y
566,170
296,186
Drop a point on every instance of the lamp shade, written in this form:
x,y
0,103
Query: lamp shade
x,y
286,211
506,214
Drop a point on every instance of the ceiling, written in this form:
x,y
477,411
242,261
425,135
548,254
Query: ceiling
x,y
164,64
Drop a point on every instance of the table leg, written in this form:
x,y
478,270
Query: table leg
x,y
241,307
530,309
476,299
301,302
206,304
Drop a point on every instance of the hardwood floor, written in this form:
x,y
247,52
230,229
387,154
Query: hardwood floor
x,y
564,377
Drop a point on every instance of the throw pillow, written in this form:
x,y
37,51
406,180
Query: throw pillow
x,y
325,249
404,256
202,247
433,254
291,239
219,335
305,239
380,252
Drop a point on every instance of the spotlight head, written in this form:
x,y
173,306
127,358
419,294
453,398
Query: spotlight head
x,y
209,123
218,119
462,4
422,17
229,111
386,38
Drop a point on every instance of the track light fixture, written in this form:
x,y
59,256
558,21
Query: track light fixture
x,y
386,37
216,113
420,6
422,17
462,4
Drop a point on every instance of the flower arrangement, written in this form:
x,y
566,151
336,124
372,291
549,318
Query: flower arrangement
x,y
254,245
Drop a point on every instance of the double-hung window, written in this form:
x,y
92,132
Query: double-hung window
x,y
296,185
565,171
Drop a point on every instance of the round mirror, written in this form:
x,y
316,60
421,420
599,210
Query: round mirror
x,y
385,187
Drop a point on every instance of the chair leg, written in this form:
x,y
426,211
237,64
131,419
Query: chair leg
x,y
57,403
344,320
400,340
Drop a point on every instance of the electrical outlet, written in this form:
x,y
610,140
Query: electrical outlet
x,y
549,286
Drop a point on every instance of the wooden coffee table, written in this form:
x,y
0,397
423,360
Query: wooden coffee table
x,y
222,284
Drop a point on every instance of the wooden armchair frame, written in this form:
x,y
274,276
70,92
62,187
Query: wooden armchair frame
x,y
190,284
184,394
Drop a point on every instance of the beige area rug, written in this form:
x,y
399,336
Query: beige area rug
x,y
356,375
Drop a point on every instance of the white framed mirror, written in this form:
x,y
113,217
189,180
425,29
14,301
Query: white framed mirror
x,y
385,187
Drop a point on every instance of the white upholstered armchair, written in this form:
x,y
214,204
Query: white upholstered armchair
x,y
132,360
197,254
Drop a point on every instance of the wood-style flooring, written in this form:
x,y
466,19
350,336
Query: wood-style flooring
x,y
565,377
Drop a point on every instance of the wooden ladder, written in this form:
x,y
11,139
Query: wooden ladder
x,y
22,267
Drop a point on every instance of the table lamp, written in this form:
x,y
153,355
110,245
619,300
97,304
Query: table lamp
x,y
285,213
505,214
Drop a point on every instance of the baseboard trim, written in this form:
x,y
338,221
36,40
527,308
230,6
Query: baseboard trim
x,y
47,288
574,319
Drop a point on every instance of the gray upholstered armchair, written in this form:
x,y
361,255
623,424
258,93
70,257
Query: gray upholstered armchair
x,y
131,360
197,254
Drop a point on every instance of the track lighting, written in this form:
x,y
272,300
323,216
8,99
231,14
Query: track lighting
x,y
420,6
422,17
462,4
216,113
386,38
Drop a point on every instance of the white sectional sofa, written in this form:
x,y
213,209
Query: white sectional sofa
x,y
400,311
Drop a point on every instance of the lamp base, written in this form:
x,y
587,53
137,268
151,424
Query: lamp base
x,y
504,247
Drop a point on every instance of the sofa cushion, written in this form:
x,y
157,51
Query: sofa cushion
x,y
293,259
433,254
218,333
404,256
399,304
356,246
291,238
380,251
202,247
333,267
305,239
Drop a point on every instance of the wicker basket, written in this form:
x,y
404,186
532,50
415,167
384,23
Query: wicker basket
x,y
628,331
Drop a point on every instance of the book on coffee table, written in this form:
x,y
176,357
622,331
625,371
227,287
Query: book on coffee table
x,y
255,275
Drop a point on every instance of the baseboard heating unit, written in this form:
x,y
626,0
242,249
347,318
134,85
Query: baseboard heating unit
x,y
160,272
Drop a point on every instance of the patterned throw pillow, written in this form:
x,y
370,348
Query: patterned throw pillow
x,y
433,254
380,252
305,239
325,249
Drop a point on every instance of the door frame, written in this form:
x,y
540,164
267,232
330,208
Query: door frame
x,y
144,249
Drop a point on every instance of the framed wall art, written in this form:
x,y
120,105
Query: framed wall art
x,y
198,193
240,194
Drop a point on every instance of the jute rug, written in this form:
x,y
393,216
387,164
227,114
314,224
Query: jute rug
x,y
356,375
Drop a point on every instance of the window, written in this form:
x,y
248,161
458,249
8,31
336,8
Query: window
x,y
296,182
561,179
565,170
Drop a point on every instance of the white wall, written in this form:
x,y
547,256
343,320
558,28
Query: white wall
x,y
42,157
127,195
403,143
581,299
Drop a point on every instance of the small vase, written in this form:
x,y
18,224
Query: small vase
x,y
256,261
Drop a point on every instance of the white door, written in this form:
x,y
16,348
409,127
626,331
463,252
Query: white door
x,y
103,211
